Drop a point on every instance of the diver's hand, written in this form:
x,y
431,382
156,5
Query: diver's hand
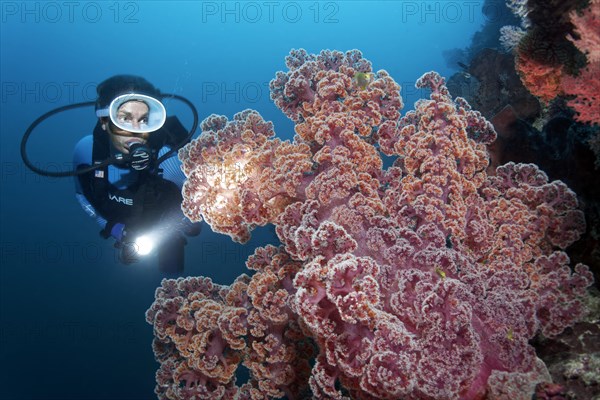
x,y
118,231
115,230
189,228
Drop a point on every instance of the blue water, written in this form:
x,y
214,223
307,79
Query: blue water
x,y
71,317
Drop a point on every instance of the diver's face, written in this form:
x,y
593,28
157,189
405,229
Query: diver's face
x,y
134,113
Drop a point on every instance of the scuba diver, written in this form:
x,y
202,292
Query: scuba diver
x,y
127,174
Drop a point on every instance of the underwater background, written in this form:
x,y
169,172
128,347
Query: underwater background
x,y
72,322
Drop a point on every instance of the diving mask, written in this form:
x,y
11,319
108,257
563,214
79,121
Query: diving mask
x,y
151,118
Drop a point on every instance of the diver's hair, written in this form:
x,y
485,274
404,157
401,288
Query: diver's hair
x,y
116,85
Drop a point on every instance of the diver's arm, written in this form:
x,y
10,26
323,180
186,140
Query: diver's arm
x,y
82,156
90,210
172,171
172,168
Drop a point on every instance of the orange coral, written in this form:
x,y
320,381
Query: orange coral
x,y
543,81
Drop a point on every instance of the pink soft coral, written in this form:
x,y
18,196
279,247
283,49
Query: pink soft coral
x,y
425,280
587,27
586,89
